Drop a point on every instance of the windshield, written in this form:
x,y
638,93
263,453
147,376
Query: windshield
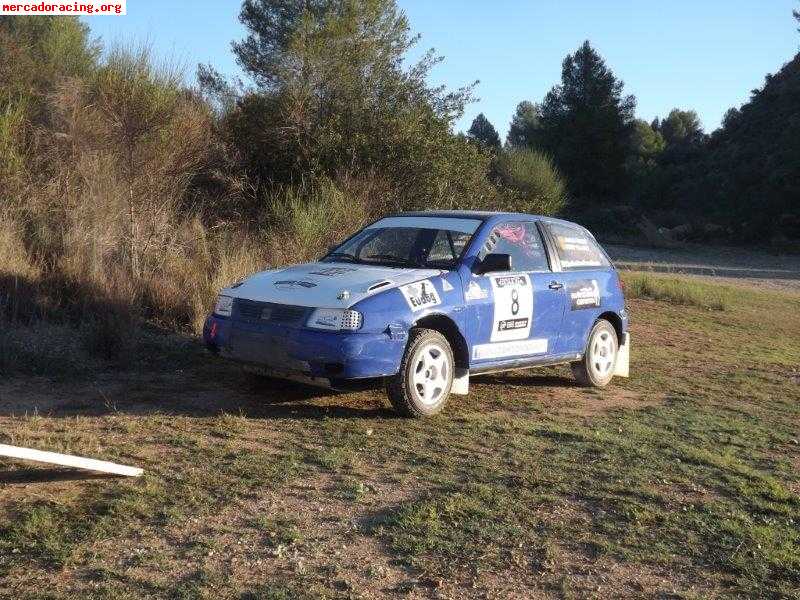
x,y
433,242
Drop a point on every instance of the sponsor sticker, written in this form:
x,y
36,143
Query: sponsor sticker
x,y
513,307
512,324
584,293
420,295
573,243
327,318
475,292
446,286
506,349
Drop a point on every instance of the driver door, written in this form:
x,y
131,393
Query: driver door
x,y
517,314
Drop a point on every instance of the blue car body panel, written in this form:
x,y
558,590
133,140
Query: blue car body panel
x,y
550,314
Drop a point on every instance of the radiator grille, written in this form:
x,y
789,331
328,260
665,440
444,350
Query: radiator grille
x,y
250,310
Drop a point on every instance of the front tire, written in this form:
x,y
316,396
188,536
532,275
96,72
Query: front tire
x,y
600,357
422,384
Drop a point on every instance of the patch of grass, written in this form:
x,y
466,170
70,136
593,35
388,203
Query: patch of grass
x,y
457,525
682,291
278,532
353,489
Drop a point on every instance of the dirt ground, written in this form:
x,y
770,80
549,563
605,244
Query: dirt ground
x,y
680,482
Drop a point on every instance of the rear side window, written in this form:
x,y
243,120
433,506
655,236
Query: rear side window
x,y
521,240
576,249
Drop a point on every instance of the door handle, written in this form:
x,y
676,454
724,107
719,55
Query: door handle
x,y
555,285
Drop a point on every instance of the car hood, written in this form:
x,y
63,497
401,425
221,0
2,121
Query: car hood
x,y
324,284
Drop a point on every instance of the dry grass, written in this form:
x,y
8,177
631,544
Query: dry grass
x,y
682,291
104,222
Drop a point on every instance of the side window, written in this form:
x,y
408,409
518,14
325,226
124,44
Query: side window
x,y
447,246
576,249
522,241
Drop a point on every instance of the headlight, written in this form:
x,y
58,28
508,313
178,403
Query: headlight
x,y
224,306
334,319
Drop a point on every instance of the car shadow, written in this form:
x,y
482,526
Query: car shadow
x,y
526,379
267,398
226,392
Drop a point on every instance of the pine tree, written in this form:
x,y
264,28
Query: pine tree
x,y
525,126
335,92
483,132
586,125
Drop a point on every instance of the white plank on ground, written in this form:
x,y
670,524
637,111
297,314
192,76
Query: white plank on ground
x,y
66,460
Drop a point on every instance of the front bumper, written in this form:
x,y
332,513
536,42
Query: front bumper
x,y
307,352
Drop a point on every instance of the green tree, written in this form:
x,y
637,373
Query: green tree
x,y
525,126
646,148
334,93
682,127
273,27
483,132
749,175
646,142
586,124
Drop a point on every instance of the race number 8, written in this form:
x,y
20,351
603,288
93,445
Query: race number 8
x,y
514,302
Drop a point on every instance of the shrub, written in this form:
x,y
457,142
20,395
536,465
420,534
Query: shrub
x,y
304,220
530,181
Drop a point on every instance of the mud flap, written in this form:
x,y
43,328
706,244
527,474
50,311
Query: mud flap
x,y
460,385
622,368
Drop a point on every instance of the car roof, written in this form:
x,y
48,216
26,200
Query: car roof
x,y
483,215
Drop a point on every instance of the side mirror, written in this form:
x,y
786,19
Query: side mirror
x,y
494,262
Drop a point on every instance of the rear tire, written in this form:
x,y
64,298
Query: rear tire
x,y
596,369
422,384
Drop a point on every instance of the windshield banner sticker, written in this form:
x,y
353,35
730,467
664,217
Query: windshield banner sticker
x,y
513,307
420,295
584,293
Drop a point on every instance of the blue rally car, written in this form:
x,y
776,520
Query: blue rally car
x,y
423,300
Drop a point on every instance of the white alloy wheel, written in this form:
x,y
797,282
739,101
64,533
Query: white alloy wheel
x,y
596,369
603,353
422,384
432,374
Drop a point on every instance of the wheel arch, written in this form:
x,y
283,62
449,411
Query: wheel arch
x,y
616,322
448,328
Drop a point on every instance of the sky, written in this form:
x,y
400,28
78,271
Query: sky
x,y
705,55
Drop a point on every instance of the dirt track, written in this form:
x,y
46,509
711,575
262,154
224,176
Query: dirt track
x,y
735,265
